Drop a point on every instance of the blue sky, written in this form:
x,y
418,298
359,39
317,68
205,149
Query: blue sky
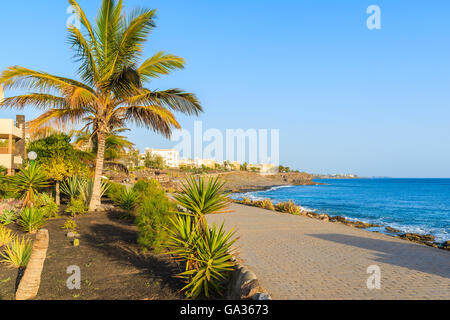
x,y
345,98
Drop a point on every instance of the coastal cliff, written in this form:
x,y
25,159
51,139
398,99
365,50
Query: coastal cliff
x,y
249,181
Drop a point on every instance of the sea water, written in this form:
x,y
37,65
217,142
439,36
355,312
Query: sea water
x,y
410,205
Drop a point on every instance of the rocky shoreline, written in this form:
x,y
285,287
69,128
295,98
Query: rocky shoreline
x,y
291,208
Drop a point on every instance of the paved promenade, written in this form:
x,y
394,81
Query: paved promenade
x,y
296,257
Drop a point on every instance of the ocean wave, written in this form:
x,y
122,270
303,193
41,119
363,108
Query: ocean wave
x,y
277,188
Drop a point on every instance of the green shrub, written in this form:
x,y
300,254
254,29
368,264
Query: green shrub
x,y
153,218
47,205
115,190
206,255
31,220
264,204
17,252
288,207
76,206
8,217
69,225
147,187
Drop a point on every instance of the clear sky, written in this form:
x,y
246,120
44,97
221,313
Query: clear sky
x,y
345,98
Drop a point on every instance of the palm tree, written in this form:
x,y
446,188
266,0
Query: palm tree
x,y
111,91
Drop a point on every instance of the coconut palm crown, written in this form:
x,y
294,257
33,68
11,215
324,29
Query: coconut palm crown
x,y
111,91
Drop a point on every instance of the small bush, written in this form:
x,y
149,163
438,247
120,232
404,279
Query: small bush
x,y
247,201
69,225
8,217
153,218
265,204
288,207
6,235
76,206
47,205
17,253
31,220
147,188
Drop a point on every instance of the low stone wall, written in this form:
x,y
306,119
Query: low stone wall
x,y
244,285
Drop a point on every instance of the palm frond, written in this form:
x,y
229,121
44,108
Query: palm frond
x,y
160,64
174,99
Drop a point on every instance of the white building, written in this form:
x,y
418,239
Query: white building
x,y
12,143
171,157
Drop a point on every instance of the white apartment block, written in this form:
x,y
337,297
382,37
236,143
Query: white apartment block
x,y
171,157
12,143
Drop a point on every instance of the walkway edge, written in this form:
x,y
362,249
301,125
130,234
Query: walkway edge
x,y
246,286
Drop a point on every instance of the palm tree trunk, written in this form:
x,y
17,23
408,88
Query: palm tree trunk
x,y
96,196
58,193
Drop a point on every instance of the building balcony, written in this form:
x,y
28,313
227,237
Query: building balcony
x,y
7,128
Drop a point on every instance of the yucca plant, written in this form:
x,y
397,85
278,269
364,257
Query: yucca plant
x,y
17,252
71,187
28,183
8,217
207,255
201,197
86,187
32,219
128,201
182,239
5,235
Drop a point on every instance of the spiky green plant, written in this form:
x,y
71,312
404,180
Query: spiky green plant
x,y
5,235
201,197
31,220
207,256
71,187
128,201
17,252
111,92
86,187
28,182
8,217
